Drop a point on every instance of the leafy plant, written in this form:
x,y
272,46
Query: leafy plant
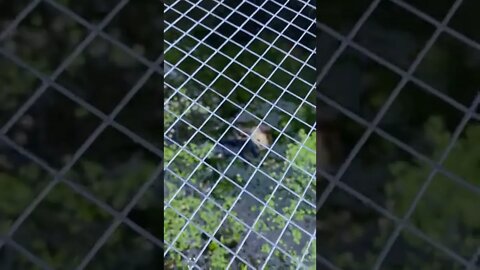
x,y
447,211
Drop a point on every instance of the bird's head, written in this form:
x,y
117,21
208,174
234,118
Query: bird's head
x,y
261,136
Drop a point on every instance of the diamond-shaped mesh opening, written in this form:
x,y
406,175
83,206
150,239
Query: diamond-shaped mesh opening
x,y
48,119
102,74
45,236
44,38
385,30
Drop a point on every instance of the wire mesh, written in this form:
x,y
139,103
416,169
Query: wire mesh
x,y
231,69
224,61
397,248
52,178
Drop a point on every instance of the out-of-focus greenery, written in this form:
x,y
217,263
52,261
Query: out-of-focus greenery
x,y
445,211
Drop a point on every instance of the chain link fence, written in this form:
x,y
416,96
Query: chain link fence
x,y
381,161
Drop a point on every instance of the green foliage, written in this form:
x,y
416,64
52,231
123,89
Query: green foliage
x,y
15,86
305,156
209,215
284,202
447,211
16,191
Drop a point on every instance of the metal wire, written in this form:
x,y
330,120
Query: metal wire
x,y
174,71
407,76
108,120
216,112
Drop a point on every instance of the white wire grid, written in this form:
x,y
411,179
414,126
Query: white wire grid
x,y
173,70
